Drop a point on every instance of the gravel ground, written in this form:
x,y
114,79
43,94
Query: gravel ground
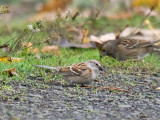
x,y
58,102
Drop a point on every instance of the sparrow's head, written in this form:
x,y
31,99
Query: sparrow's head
x,y
94,64
107,48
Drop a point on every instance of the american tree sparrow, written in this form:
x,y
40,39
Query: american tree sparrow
x,y
124,48
80,73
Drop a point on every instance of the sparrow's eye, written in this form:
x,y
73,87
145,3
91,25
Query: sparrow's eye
x,y
100,68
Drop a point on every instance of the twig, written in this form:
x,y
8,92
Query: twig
x,y
152,29
109,88
3,46
141,25
75,15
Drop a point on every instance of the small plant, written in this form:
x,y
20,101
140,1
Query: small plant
x,y
4,9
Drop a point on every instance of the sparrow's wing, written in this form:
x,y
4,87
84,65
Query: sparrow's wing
x,y
75,69
135,43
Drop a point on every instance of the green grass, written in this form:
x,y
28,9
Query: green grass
x,y
26,68
70,56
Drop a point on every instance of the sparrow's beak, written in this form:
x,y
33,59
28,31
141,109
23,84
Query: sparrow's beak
x,y
102,69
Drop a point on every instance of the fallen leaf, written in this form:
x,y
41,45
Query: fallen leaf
x,y
10,59
85,38
51,49
46,49
16,59
35,50
30,49
10,72
5,59
28,45
103,38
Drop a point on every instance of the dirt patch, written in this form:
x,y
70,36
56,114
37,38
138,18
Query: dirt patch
x,y
142,101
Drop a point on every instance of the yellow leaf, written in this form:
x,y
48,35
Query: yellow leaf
x,y
148,3
10,59
85,38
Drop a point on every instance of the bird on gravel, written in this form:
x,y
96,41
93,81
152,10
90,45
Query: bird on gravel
x,y
125,48
80,73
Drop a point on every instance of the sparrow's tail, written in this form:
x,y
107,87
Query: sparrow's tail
x,y
48,67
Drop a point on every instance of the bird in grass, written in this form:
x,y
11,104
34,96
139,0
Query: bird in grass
x,y
80,73
125,48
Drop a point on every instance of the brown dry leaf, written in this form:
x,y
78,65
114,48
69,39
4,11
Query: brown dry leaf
x,y
51,49
28,44
30,49
46,49
10,72
35,50
10,59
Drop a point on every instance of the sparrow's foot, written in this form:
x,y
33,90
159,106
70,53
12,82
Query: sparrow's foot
x,y
96,80
84,86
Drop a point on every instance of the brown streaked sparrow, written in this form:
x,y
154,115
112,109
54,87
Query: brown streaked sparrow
x,y
80,73
124,48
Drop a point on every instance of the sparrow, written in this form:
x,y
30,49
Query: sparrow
x,y
80,73
127,48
